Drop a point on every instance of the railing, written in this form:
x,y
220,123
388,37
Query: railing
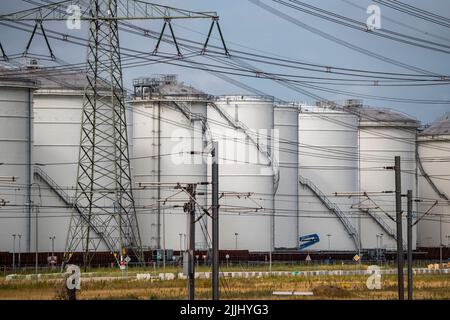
x,y
332,207
428,178
391,232
235,124
241,126
55,187
192,116
94,222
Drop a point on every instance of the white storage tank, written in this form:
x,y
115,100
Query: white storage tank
x,y
434,168
168,142
243,126
384,134
56,133
286,222
57,126
328,150
16,158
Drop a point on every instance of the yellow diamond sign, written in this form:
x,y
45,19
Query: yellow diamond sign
x,y
356,258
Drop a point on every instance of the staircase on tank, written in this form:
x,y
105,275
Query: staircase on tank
x,y
241,126
93,222
332,207
380,221
441,194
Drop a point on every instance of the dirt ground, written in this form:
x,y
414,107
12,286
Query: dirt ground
x,y
323,287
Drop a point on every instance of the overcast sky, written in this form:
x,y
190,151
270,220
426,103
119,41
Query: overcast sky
x,y
246,27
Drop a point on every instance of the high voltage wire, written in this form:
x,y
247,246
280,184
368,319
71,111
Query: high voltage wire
x,y
340,41
281,149
348,111
395,21
256,211
252,195
328,69
323,67
319,97
354,24
416,12
319,147
54,215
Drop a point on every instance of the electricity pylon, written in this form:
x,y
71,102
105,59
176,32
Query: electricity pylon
x,y
104,210
104,191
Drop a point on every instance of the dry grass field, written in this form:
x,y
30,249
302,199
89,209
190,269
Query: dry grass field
x,y
427,286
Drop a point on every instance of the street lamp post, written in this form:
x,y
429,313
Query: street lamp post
x,y
236,239
381,247
14,252
20,237
430,240
329,243
440,239
181,235
53,249
377,252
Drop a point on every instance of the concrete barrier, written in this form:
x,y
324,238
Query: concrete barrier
x,y
143,276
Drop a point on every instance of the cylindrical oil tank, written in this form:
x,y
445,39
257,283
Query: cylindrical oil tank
x,y
57,126
328,150
58,108
243,126
168,142
16,158
384,134
434,168
286,226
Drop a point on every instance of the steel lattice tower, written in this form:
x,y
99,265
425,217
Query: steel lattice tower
x,y
104,205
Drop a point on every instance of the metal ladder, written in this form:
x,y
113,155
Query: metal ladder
x,y
70,203
441,194
235,124
194,117
332,207
241,126
380,221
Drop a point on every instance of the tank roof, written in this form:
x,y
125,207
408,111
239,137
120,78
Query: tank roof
x,y
163,85
439,127
18,83
49,78
383,115
179,89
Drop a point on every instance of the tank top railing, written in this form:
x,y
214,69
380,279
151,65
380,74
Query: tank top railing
x,y
332,207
